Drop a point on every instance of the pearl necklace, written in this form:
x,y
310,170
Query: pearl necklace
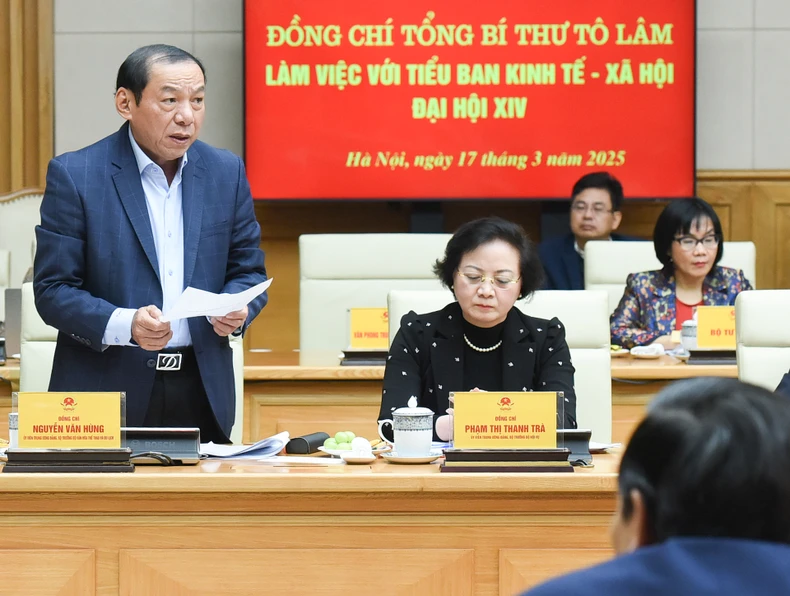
x,y
476,349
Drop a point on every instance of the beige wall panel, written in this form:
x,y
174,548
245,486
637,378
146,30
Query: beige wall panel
x,y
219,15
725,99
86,67
772,98
223,56
772,14
120,16
725,14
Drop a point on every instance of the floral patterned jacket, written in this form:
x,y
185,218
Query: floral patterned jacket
x,y
647,308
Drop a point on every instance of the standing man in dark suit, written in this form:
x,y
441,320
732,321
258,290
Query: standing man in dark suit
x,y
596,201
126,225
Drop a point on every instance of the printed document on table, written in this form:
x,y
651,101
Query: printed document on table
x,y
263,448
200,303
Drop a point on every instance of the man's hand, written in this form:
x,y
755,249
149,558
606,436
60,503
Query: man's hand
x,y
224,326
148,331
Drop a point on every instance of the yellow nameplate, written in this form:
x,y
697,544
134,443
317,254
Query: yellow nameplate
x,y
69,420
716,327
503,420
369,328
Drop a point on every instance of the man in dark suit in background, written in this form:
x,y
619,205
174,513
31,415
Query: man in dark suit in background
x,y
596,201
126,225
703,503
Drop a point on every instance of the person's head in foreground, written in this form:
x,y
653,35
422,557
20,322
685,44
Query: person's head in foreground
x,y
704,497
489,263
688,238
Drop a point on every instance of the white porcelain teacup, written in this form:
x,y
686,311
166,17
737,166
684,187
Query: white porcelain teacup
x,y
412,429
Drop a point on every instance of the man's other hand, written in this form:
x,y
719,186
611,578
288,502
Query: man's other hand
x,y
148,331
224,326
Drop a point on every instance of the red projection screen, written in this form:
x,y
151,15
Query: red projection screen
x,y
506,99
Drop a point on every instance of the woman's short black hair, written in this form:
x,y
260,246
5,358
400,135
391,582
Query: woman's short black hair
x,y
482,231
676,220
711,459
135,71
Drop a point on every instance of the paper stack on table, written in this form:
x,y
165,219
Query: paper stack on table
x,y
263,448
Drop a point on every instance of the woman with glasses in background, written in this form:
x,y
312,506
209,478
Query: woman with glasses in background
x,y
481,341
688,242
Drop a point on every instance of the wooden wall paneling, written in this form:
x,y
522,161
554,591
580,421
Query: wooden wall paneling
x,y
277,327
525,213
45,132
639,218
26,87
782,250
771,232
5,99
16,92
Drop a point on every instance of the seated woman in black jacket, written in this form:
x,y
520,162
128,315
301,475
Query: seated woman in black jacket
x,y
481,341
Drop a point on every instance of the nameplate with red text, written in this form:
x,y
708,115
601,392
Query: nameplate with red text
x,y
504,420
716,327
369,328
64,420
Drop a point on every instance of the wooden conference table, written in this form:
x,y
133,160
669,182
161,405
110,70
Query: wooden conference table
x,y
304,393
249,528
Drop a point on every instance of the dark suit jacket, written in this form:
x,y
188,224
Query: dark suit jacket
x,y
426,360
683,567
563,266
96,253
784,385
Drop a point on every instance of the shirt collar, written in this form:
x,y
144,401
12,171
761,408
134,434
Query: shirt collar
x,y
143,161
579,250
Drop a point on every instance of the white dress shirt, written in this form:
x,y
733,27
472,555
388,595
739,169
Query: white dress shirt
x,y
167,224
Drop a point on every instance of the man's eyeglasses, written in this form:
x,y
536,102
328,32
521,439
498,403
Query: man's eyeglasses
x,y
502,282
689,243
597,208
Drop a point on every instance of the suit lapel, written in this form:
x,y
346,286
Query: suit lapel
x,y
518,354
130,190
192,205
447,351
570,261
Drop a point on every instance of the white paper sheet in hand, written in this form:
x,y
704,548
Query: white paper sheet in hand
x,y
200,303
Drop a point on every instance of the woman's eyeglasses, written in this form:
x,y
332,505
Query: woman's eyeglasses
x,y
503,282
689,243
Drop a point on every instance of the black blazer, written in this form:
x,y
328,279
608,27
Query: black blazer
x,y
426,360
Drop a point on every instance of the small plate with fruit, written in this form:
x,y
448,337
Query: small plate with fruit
x,y
343,445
